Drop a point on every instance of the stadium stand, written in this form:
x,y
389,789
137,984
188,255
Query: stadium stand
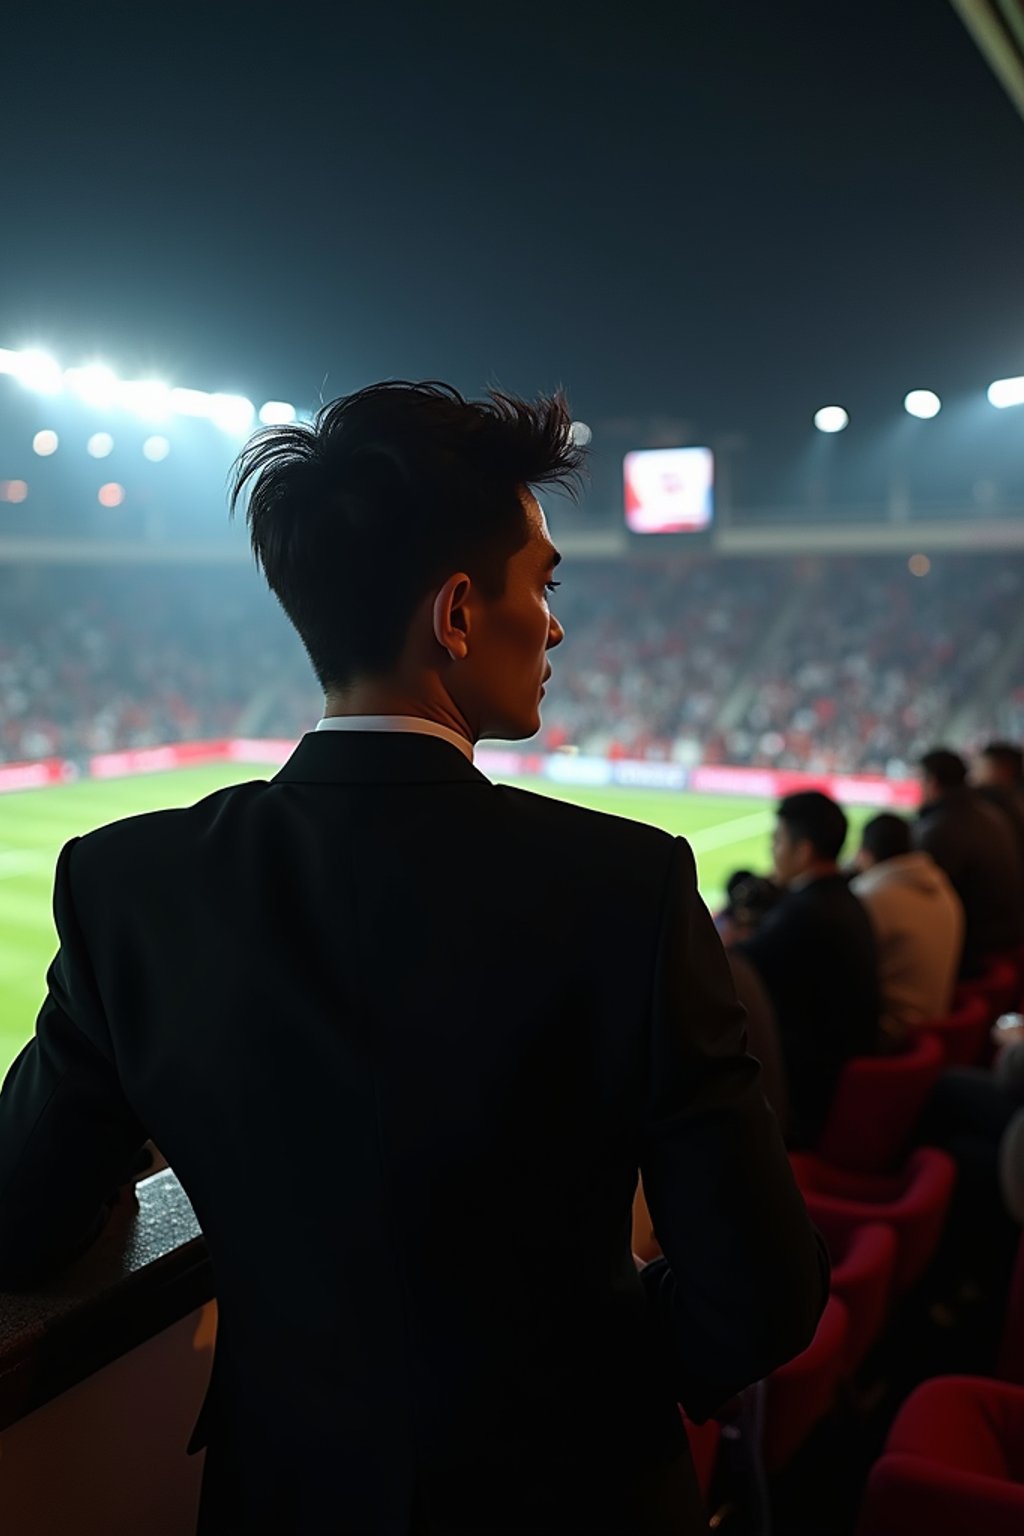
x,y
681,659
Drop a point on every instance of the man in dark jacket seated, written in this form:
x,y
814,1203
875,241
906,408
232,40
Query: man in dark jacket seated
x,y
997,773
975,843
815,952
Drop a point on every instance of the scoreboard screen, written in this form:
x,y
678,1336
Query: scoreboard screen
x,y
669,490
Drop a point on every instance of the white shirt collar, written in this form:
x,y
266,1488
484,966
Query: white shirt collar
x,y
411,723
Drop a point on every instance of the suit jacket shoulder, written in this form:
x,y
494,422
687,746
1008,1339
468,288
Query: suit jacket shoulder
x,y
545,813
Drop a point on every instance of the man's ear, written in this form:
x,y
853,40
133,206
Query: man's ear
x,y
451,615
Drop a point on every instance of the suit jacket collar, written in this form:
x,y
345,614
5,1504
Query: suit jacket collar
x,y
376,757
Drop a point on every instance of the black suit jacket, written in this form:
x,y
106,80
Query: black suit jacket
x,y
974,841
817,957
406,1038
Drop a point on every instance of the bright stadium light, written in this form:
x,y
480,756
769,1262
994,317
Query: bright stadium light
x,y
96,384
277,413
148,398
156,449
232,413
100,445
922,403
8,363
191,402
39,371
46,442
580,433
831,418
111,494
1006,392
13,490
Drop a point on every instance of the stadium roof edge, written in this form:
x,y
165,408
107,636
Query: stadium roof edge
x,y
966,534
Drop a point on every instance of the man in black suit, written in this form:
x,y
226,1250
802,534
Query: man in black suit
x,y
975,843
998,775
816,955
429,1027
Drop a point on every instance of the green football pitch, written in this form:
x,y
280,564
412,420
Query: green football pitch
x,y
726,834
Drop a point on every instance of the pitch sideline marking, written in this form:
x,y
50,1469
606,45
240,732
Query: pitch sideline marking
x,y
22,861
735,831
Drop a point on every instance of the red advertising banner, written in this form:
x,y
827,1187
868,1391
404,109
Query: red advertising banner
x,y
500,762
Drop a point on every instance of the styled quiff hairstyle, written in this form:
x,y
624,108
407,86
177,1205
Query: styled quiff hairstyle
x,y
355,517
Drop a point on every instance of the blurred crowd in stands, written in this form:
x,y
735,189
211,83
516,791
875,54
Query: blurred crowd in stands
x,y
839,664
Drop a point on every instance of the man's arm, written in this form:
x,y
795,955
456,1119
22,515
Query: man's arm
x,y
67,1133
747,1274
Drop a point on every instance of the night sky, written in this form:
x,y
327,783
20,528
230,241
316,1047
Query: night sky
x,y
728,214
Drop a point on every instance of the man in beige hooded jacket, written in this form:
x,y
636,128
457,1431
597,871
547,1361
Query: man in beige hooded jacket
x,y
919,927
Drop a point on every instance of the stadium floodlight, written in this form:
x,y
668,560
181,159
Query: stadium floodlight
x,y
831,418
13,490
190,402
111,494
46,442
39,371
156,449
96,384
1006,392
922,403
8,364
232,413
148,398
100,445
277,413
580,433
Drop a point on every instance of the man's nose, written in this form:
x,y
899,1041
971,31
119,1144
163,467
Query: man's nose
x,y
556,634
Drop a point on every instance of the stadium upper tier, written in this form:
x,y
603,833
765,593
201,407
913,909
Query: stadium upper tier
x,y
840,663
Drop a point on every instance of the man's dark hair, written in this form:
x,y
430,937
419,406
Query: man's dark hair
x,y
817,818
752,898
947,768
738,878
355,516
1008,756
886,837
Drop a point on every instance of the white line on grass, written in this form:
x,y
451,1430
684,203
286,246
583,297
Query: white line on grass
x,y
735,831
23,862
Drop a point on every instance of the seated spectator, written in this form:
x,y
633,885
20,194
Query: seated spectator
x,y
974,843
816,954
749,898
998,776
918,923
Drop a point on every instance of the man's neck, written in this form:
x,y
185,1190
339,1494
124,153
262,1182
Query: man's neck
x,y
383,699
814,872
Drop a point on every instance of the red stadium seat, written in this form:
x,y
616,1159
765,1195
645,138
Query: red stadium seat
x,y
913,1203
800,1394
863,1263
963,1034
997,986
704,1442
953,1464
877,1103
